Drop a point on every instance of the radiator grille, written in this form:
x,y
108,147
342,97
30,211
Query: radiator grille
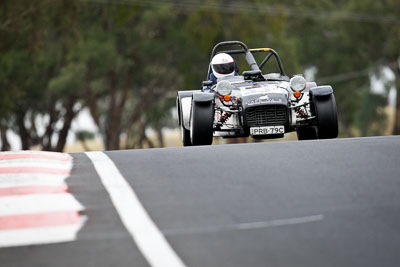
x,y
270,115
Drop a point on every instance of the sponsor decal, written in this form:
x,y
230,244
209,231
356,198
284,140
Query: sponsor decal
x,y
264,100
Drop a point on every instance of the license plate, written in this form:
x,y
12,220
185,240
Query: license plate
x,y
267,130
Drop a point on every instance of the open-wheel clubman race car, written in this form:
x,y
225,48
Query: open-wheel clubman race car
x,y
254,104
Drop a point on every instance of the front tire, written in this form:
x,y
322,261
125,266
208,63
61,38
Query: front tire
x,y
201,123
326,113
306,133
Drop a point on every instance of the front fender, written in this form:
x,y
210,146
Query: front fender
x,y
321,92
203,97
184,104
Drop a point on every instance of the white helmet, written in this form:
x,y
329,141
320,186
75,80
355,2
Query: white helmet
x,y
223,65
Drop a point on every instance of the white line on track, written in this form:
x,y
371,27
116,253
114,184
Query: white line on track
x,y
16,179
38,235
28,204
148,238
58,155
245,226
38,163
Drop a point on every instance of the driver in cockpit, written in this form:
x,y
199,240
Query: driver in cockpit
x,y
222,65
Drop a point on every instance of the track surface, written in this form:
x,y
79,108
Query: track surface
x,y
309,203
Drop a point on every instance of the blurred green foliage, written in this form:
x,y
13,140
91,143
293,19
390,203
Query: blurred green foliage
x,y
125,60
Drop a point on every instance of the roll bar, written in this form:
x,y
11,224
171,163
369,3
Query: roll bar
x,y
271,52
249,56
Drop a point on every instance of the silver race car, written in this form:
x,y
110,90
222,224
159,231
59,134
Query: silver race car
x,y
254,104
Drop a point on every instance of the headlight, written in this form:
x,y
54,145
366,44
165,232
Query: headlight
x,y
224,88
297,83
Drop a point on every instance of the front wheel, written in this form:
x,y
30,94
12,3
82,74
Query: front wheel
x,y
201,123
306,133
326,115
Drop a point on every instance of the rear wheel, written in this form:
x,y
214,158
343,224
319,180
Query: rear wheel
x,y
306,133
201,123
325,111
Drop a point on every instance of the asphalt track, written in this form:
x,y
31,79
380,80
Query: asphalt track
x,y
309,203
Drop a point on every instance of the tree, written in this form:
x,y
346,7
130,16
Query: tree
x,y
125,60
37,40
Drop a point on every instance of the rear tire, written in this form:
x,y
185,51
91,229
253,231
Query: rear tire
x,y
306,133
201,123
325,111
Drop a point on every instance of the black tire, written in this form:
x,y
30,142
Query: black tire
x,y
325,111
306,133
201,123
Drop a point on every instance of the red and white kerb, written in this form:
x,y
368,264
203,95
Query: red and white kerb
x,y
35,205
